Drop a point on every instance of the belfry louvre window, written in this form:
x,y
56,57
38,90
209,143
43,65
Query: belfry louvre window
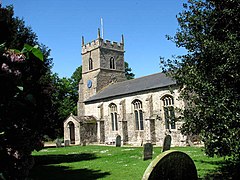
x,y
112,63
138,114
113,114
169,114
90,64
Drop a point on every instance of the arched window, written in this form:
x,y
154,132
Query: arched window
x,y
90,64
113,114
169,114
138,114
112,63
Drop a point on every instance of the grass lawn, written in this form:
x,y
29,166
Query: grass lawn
x,y
107,162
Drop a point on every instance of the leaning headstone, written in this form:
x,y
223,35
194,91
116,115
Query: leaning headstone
x,y
167,143
58,143
147,151
84,143
118,141
66,143
173,165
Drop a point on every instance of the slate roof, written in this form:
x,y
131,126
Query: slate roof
x,y
154,81
85,119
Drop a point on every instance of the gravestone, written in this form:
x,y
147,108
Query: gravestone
x,y
167,143
118,141
67,143
58,143
172,165
147,151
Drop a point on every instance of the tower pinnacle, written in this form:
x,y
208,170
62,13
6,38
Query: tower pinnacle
x,y
99,33
122,41
82,41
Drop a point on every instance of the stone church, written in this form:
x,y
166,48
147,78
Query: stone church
x,y
139,110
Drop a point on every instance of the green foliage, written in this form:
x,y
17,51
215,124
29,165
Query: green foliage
x,y
209,74
26,111
21,114
34,50
128,71
75,79
16,34
77,76
65,97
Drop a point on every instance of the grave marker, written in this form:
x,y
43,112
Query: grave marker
x,y
167,143
84,143
118,141
58,143
173,165
67,143
147,151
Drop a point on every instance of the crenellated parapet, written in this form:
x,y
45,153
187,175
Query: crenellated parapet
x,y
112,45
91,45
100,43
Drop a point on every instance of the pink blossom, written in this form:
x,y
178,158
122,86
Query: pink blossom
x,y
17,72
14,57
5,68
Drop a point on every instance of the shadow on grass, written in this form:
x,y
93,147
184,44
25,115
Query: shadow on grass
x,y
63,172
61,158
47,167
218,162
226,170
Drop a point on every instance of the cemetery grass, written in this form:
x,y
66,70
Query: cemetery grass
x,y
108,162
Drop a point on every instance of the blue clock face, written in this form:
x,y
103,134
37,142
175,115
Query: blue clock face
x,y
89,83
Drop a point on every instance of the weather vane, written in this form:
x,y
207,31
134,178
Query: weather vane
x,y
102,27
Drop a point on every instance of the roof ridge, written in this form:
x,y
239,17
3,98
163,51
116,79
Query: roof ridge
x,y
132,79
153,81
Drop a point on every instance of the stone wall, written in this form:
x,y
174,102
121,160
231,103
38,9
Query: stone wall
x,y
76,129
101,75
154,124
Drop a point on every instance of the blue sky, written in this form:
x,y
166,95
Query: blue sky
x,y
60,25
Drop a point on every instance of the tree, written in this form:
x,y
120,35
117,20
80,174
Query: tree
x,y
209,74
65,97
77,76
128,71
25,98
67,89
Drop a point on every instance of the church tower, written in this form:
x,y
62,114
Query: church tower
x,y
102,65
